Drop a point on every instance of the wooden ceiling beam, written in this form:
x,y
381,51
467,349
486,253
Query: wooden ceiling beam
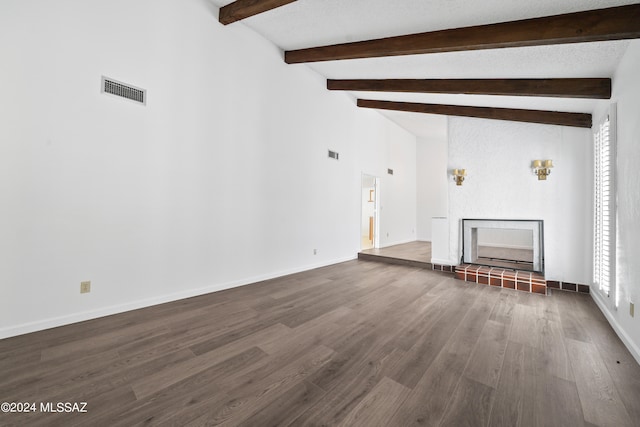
x,y
582,120
615,23
242,9
595,88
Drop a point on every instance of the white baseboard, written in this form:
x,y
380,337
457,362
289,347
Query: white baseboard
x,y
631,346
400,242
442,261
54,322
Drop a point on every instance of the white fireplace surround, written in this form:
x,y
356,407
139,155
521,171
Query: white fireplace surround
x,y
470,237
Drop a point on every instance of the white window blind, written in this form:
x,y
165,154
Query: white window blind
x,y
604,207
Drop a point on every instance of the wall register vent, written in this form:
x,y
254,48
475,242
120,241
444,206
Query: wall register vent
x,y
334,155
123,90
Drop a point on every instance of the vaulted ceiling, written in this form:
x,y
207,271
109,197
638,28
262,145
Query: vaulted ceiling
x,y
582,45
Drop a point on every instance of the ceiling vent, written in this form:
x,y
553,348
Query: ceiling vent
x,y
124,90
334,155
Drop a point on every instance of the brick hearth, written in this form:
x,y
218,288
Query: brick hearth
x,y
494,276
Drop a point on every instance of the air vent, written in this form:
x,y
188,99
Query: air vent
x,y
390,171
334,155
124,90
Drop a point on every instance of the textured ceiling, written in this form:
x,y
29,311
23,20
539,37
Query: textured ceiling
x,y
309,23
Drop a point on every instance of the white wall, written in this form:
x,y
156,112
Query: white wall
x,y
626,93
432,188
222,179
501,185
384,145
397,208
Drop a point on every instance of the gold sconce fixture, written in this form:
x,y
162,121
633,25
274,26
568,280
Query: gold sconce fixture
x,y
542,168
458,175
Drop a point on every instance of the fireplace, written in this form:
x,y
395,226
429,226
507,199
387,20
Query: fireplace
x,y
505,243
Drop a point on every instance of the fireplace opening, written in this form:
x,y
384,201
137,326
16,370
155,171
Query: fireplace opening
x,y
512,244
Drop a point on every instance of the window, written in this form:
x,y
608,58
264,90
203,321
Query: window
x,y
604,223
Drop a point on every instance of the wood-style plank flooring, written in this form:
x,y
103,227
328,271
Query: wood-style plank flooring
x,y
412,251
355,344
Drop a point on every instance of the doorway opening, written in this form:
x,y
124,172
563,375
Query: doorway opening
x,y
370,218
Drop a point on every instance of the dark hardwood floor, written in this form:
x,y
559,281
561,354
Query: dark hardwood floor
x,y
355,344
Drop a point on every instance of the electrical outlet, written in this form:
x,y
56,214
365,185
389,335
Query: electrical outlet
x,y
85,287
632,309
315,252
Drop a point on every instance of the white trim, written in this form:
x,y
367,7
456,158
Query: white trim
x,y
54,322
443,262
613,141
401,242
376,213
376,210
469,230
598,264
628,342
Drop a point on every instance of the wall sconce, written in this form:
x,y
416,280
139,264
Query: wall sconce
x,y
542,168
458,175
